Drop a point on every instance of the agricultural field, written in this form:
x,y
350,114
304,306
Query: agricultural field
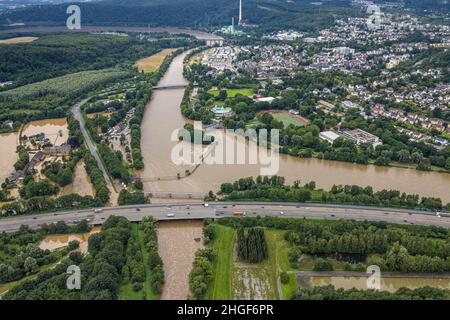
x,y
53,97
233,92
18,40
152,63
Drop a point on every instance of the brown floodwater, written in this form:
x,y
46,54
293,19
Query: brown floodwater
x,y
54,129
162,117
58,241
81,183
8,155
178,241
387,283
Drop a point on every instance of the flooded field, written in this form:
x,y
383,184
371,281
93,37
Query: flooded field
x,y
81,183
54,129
57,241
8,157
251,281
387,283
177,243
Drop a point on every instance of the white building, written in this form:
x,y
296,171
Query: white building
x,y
328,136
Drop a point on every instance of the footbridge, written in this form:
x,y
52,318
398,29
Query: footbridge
x,y
170,86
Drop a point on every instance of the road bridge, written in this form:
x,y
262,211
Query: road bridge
x,y
189,210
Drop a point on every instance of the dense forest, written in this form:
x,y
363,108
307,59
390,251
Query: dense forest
x,y
55,55
101,270
201,14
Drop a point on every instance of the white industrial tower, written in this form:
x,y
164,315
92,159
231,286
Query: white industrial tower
x,y
240,12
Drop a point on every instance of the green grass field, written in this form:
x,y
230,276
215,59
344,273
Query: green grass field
x,y
233,92
287,120
278,258
220,287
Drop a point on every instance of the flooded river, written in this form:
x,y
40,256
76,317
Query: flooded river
x,y
178,241
8,143
58,241
387,284
162,117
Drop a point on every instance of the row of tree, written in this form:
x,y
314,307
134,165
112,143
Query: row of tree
x,y
274,189
155,263
251,245
331,293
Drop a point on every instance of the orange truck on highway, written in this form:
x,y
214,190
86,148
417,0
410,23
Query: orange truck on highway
x,y
239,214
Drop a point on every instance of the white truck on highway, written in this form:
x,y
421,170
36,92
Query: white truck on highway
x,y
98,210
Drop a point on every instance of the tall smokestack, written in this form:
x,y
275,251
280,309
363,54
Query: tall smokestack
x,y
240,11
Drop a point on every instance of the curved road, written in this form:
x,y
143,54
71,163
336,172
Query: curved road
x,y
76,110
178,211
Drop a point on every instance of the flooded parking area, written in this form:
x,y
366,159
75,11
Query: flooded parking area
x,y
58,241
178,241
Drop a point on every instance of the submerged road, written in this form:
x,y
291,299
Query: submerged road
x,y
180,211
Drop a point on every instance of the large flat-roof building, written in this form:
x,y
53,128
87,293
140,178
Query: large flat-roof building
x,y
328,136
361,137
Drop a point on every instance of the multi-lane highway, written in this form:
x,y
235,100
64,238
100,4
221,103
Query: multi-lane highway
x,y
177,211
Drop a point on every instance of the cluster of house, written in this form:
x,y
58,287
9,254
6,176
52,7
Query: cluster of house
x,y
269,60
221,58
410,118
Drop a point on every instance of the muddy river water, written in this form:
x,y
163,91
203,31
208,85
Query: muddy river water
x,y
163,117
178,241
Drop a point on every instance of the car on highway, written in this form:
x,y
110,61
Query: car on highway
x,y
170,215
282,213
206,205
138,209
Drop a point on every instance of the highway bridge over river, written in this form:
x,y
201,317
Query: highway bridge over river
x,y
188,211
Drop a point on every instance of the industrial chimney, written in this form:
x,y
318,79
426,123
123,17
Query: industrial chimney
x,y
240,12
